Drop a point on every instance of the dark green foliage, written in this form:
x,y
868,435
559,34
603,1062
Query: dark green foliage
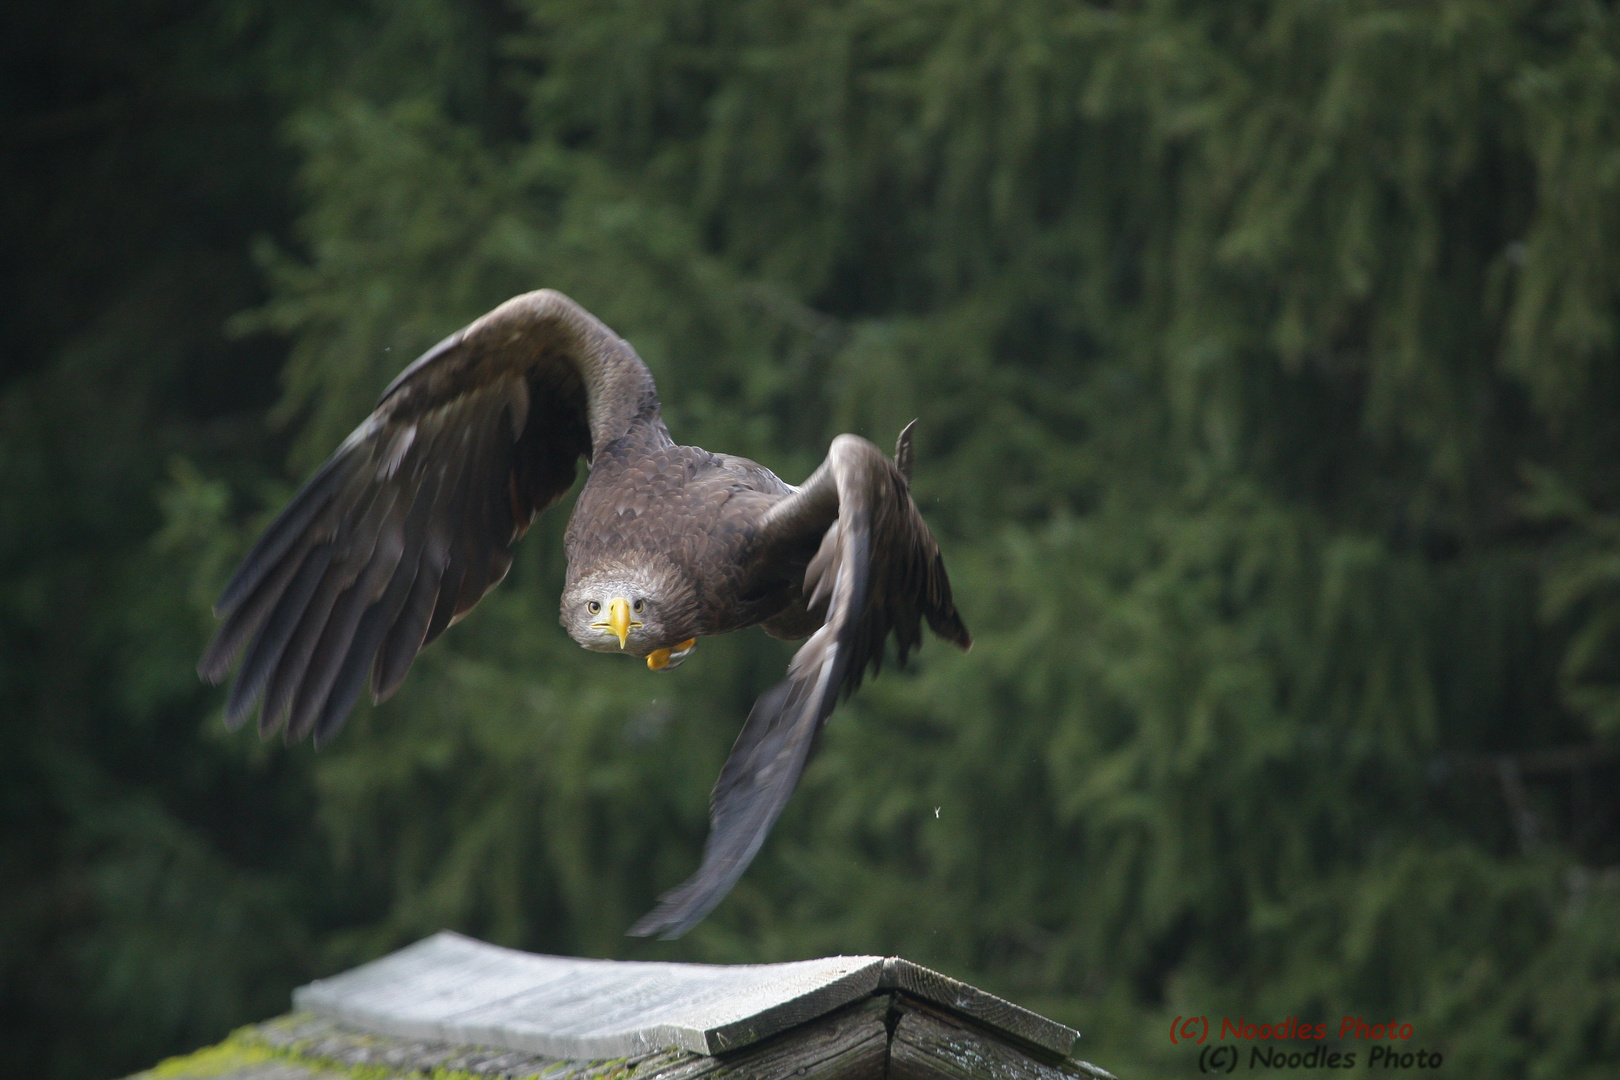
x,y
1266,359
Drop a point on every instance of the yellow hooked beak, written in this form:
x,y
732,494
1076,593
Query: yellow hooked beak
x,y
618,619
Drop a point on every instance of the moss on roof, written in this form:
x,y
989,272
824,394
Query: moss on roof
x,y
303,1046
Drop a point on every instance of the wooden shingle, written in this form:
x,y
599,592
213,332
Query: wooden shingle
x,y
453,1006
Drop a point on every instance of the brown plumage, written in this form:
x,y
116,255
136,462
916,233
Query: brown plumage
x,y
413,519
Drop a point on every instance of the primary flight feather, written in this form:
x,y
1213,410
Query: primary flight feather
x,y
412,520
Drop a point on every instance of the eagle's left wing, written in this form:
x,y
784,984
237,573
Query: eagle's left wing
x,y
413,518
877,571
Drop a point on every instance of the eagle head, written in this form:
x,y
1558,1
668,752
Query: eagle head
x,y
628,607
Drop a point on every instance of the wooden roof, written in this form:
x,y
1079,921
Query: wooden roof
x,y
453,1005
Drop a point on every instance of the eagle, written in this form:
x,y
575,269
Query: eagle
x,y
414,517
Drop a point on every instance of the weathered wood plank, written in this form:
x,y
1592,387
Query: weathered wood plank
x,y
1004,1016
452,989
851,1044
458,991
934,1045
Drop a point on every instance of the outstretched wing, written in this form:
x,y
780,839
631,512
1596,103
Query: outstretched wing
x,y
411,520
875,572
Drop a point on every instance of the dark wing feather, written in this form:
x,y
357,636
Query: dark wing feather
x,y
411,521
877,571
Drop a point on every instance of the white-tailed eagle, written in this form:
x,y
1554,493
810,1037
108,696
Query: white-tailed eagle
x,y
413,519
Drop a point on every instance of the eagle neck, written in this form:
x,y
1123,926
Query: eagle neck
x,y
647,433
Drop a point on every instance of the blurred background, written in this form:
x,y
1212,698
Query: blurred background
x,y
1267,358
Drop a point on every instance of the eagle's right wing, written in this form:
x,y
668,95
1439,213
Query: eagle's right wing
x,y
877,571
411,520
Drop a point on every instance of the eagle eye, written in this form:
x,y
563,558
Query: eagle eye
x,y
594,607
641,605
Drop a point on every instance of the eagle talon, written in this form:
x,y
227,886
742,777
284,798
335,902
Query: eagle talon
x,y
666,659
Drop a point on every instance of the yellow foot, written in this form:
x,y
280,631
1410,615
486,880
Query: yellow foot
x,y
662,659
